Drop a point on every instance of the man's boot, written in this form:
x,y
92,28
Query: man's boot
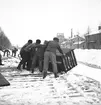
x,y
56,75
19,66
44,74
32,70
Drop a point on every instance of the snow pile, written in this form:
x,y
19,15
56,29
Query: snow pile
x,y
91,57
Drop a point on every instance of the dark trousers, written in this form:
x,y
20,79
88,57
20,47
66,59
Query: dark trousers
x,y
25,59
6,52
0,59
13,53
37,61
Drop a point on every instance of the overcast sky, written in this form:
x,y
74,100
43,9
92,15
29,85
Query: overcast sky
x,y
31,19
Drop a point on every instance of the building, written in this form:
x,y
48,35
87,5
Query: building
x,y
93,41
81,45
77,42
65,44
74,42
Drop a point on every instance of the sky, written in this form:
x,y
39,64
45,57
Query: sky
x,y
43,19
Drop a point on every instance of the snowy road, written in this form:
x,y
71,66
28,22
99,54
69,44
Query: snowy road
x,y
73,88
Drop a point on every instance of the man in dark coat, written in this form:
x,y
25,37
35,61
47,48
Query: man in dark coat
x,y
14,51
37,55
6,51
25,55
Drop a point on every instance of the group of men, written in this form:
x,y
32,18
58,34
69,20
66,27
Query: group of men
x,y
7,52
37,54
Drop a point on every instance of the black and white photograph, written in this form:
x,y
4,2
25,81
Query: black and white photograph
x,y
50,52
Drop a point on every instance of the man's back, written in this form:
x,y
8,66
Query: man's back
x,y
52,46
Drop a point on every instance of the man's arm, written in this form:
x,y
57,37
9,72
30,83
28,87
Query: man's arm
x,y
60,50
37,46
28,47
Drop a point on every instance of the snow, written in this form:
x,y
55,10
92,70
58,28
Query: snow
x,y
91,57
79,86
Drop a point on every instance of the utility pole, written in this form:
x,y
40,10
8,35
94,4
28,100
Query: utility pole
x,y
88,32
71,33
78,39
71,38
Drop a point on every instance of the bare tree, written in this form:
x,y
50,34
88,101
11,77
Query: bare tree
x,y
4,41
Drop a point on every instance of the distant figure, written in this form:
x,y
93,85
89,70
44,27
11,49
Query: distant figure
x,y
6,52
14,52
1,49
1,60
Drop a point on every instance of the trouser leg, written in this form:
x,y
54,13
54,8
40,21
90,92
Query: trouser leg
x,y
54,64
24,65
33,63
14,54
0,59
40,64
7,54
4,53
21,63
24,59
45,64
46,61
29,63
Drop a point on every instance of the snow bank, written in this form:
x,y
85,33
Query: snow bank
x,y
92,56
